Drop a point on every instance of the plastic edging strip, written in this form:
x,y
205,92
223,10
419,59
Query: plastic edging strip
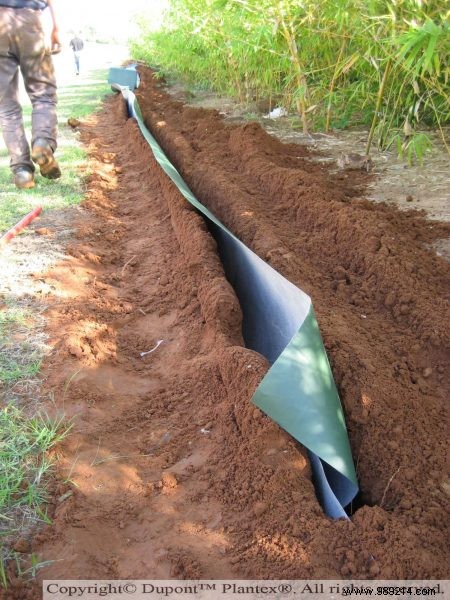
x,y
8,236
298,392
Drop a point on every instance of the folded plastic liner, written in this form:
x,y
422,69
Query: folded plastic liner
x,y
298,392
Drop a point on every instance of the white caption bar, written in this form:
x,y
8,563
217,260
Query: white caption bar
x,y
243,589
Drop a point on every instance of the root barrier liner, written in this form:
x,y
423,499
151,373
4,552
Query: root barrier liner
x,y
298,392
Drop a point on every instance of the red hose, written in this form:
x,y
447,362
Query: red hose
x,y
20,225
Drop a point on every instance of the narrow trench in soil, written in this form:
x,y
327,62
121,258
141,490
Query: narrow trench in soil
x,y
173,472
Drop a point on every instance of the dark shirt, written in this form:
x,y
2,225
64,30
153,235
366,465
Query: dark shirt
x,y
34,4
76,44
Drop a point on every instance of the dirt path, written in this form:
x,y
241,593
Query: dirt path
x,y
171,471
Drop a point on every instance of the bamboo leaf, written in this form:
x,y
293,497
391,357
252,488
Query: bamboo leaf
x,y
427,63
437,64
407,129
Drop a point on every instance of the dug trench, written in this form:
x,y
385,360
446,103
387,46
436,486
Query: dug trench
x,y
169,471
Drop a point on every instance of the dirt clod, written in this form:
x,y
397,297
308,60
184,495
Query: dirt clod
x,y
43,231
169,480
22,545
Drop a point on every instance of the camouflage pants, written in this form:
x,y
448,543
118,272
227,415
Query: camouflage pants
x,y
22,46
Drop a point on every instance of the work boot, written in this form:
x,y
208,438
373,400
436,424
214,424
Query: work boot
x,y
24,179
42,155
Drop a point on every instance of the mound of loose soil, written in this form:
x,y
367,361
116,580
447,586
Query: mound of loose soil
x,y
176,474
382,304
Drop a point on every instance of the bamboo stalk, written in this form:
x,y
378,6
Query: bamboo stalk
x,y
299,73
333,83
377,106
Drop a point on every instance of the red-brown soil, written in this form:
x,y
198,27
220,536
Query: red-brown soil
x,y
173,473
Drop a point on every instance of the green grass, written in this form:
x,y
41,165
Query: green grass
x,y
78,101
24,446
24,443
12,370
12,316
18,358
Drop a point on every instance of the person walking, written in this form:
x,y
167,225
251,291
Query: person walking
x,y
23,46
77,46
